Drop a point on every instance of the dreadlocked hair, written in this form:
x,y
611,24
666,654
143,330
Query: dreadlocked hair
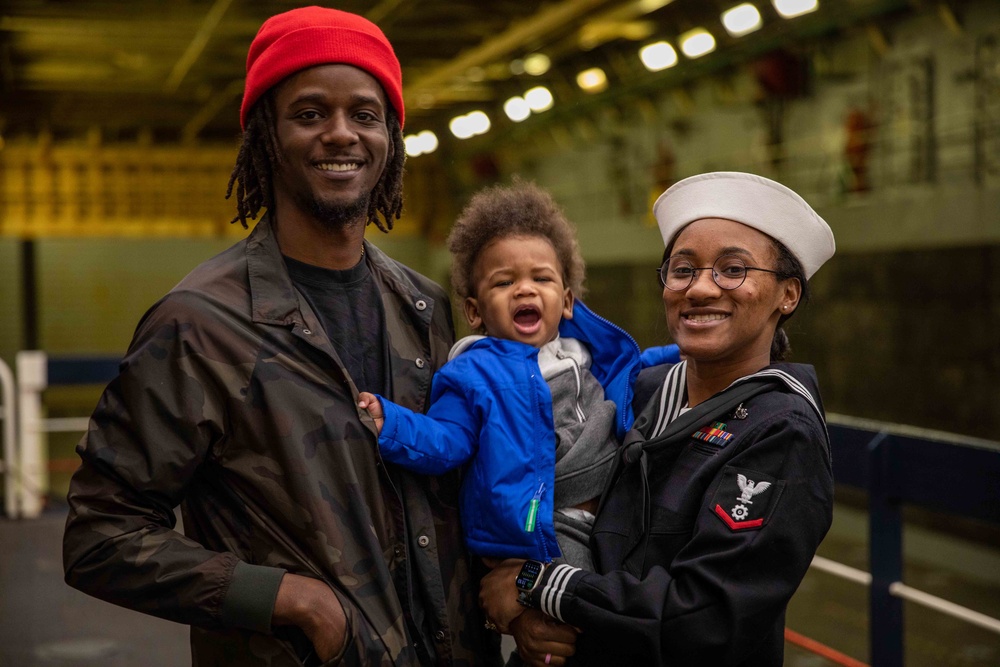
x,y
253,173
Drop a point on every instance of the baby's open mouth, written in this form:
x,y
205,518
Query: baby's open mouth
x,y
527,319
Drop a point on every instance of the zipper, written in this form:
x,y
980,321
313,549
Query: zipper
x,y
529,522
633,373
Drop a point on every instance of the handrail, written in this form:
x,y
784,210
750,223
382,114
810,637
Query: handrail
x,y
901,590
895,464
900,465
8,466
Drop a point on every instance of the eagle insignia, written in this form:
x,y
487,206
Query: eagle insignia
x,y
756,494
749,488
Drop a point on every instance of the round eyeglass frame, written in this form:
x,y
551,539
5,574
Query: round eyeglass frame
x,y
717,275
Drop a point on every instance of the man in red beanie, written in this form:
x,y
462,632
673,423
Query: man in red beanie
x,y
237,399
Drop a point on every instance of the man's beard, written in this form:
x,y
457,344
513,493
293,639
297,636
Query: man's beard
x,y
338,216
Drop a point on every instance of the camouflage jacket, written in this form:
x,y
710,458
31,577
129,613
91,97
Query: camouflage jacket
x,y
232,403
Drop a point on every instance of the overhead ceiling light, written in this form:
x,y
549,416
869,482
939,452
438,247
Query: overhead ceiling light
x,y
428,141
420,143
516,67
517,109
789,9
657,56
537,64
479,122
469,125
696,43
592,80
741,20
412,143
459,126
539,99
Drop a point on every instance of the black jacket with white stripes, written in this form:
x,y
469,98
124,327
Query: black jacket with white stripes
x,y
707,527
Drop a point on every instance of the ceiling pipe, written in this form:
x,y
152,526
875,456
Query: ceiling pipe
x,y
518,36
197,45
209,111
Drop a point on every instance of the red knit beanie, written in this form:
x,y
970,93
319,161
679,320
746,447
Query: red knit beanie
x,y
311,36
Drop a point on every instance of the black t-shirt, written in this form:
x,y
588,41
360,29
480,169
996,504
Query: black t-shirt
x,y
349,306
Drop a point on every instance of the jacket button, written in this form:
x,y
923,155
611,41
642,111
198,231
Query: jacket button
x,y
420,363
420,305
439,635
423,541
307,332
398,550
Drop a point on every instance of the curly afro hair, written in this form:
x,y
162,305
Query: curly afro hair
x,y
502,211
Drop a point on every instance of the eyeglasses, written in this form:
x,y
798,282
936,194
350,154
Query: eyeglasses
x,y
728,272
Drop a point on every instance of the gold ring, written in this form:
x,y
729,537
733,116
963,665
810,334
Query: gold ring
x,y
490,625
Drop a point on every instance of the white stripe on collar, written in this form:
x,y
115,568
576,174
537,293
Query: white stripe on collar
x,y
792,383
672,399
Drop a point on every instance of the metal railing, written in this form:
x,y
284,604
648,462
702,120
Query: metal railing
x,y
35,373
897,465
8,437
902,465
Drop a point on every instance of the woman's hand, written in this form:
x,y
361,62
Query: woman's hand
x,y
368,402
542,640
498,594
314,607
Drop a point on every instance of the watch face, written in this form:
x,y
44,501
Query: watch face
x,y
528,575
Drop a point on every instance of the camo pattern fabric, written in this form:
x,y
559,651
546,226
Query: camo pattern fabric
x,y
232,403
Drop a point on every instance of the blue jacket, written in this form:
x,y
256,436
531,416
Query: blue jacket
x,y
490,404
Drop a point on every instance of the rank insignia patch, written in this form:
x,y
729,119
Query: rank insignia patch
x,y
745,499
715,433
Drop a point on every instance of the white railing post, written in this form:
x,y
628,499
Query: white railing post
x,y
8,408
33,477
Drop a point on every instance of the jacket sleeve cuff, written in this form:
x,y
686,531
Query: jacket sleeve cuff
x,y
556,589
249,602
389,427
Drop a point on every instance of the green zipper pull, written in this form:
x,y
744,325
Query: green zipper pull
x,y
529,523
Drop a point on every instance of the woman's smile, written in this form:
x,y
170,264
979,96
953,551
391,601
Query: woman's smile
x,y
703,318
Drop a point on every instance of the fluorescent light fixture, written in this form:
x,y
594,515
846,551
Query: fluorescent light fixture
x,y
696,43
789,9
479,122
539,99
421,143
657,56
412,143
517,109
741,20
592,80
460,127
537,64
428,141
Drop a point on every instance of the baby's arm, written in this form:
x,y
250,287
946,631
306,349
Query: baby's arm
x,y
429,444
371,403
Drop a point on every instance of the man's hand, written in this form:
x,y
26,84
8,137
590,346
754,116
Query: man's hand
x,y
542,640
498,594
312,606
368,402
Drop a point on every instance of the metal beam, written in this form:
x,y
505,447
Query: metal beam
x,y
516,37
197,45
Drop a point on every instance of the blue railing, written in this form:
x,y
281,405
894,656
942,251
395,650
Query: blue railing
x,y
906,466
896,466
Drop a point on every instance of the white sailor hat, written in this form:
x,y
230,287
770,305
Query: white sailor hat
x,y
754,201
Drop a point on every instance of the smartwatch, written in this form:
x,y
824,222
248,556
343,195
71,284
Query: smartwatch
x,y
527,580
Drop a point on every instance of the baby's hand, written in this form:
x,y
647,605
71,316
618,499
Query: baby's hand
x,y
368,402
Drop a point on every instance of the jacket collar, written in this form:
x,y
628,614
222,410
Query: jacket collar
x,y
274,298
